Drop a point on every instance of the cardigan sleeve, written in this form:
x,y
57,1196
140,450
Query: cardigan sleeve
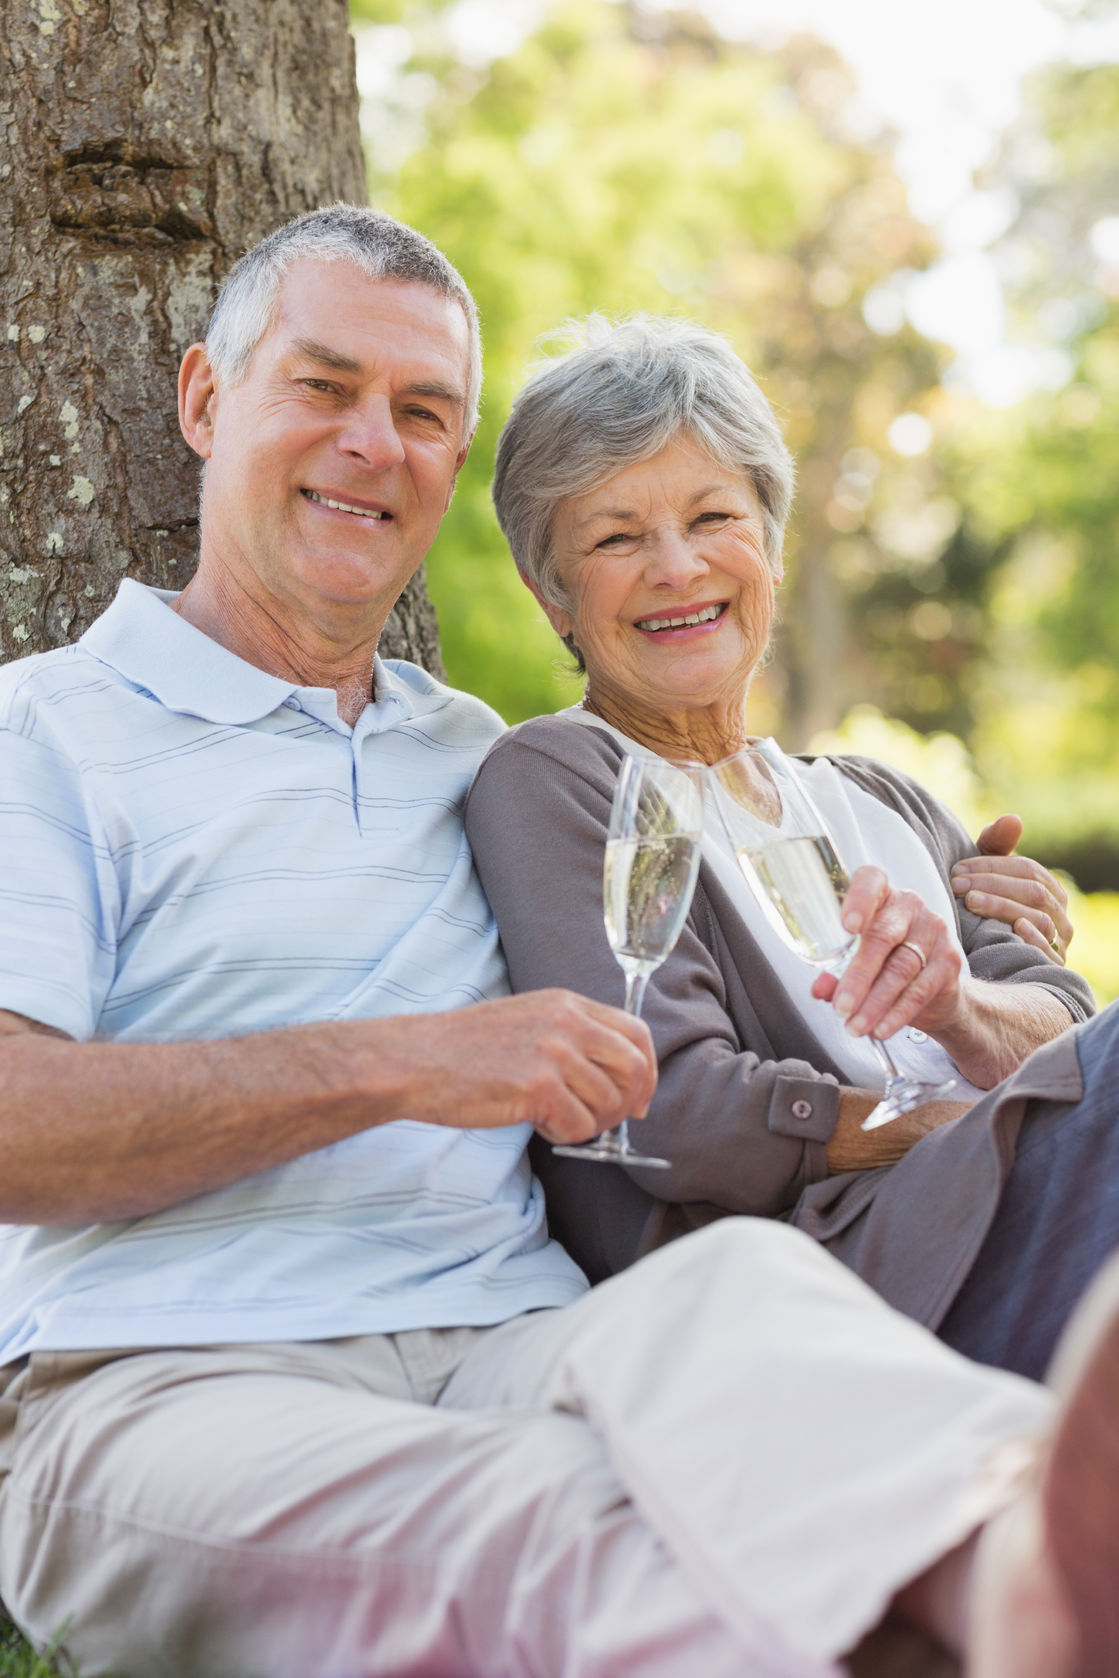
x,y
742,1130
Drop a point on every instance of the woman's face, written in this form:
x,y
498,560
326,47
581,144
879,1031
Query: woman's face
x,y
671,596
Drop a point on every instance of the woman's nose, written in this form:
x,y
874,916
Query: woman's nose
x,y
369,434
673,560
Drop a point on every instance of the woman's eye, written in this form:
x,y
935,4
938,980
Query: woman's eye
x,y
714,518
614,540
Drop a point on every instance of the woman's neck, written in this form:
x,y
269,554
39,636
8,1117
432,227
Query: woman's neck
x,y
694,736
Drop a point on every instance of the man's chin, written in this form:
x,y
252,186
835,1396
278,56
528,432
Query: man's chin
x,y
352,581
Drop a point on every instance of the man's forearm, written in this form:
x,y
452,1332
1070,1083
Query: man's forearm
x,y
95,1132
998,1026
1001,1025
854,1149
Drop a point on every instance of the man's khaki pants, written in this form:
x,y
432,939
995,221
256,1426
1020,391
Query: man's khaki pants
x,y
725,1461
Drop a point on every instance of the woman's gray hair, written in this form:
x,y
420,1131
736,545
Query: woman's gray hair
x,y
380,247
622,393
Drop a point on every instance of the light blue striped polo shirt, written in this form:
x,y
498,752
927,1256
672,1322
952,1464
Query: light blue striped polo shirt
x,y
191,848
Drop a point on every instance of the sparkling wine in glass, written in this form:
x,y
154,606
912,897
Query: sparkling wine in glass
x,y
790,859
649,874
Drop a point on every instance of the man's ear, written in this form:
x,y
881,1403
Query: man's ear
x,y
460,462
198,394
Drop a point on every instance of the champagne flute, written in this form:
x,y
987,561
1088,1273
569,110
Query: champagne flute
x,y
649,874
790,859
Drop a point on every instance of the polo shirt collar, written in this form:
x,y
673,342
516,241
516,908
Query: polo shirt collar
x,y
152,647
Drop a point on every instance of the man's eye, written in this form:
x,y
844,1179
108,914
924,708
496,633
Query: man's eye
x,y
320,384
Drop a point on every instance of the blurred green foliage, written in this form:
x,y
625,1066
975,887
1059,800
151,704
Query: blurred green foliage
x,y
1039,487
624,160
957,571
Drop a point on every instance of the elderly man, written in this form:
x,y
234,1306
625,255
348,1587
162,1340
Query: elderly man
x,y
292,1381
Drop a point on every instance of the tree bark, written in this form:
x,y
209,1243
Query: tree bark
x,y
144,145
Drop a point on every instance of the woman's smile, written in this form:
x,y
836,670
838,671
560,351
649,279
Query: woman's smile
x,y
672,626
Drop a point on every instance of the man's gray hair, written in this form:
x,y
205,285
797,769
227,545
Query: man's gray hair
x,y
379,246
622,393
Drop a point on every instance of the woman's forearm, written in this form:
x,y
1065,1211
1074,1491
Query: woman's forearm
x,y
997,1026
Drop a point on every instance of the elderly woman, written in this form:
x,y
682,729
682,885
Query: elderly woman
x,y
643,485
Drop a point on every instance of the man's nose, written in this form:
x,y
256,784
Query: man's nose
x,y
674,561
369,434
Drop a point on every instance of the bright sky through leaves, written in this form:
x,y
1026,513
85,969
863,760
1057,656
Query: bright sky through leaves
x,y
946,76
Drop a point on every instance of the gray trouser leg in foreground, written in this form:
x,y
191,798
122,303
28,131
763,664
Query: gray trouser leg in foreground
x,y
725,1461
1057,1221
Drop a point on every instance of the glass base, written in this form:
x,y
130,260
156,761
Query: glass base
x,y
612,1153
902,1095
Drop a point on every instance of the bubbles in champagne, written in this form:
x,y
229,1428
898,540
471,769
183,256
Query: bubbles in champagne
x,y
647,889
802,882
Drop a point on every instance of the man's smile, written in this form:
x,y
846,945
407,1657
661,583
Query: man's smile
x,y
345,506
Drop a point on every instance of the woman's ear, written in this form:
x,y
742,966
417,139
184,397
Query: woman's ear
x,y
559,618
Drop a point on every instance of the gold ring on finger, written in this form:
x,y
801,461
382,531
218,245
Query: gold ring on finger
x,y
908,944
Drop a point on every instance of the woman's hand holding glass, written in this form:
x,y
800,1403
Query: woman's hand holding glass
x,y
882,954
906,970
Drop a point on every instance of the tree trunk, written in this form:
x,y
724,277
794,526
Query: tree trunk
x,y
145,145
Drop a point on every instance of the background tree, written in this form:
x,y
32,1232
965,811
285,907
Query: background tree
x,y
146,144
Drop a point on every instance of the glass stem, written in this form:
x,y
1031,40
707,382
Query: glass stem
x,y
837,969
636,985
887,1059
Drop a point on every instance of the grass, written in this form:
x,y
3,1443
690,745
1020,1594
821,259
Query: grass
x,y
19,1660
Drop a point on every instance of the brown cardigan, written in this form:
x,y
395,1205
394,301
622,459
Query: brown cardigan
x,y
747,1099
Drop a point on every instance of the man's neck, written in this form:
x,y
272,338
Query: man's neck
x,y
256,630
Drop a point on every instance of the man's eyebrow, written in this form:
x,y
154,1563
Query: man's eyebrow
x,y
439,392
314,351
327,357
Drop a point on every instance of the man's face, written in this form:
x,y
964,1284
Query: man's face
x,y
331,463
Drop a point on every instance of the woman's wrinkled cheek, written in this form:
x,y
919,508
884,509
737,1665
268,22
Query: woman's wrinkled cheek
x,y
759,599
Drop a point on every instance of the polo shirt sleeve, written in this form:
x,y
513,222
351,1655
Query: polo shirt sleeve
x,y
57,946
